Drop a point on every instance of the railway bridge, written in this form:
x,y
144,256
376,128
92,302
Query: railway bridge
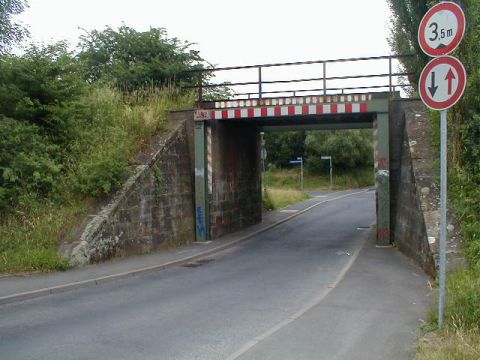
x,y
349,94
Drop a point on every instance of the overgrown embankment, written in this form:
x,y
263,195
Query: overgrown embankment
x,y
111,130
70,125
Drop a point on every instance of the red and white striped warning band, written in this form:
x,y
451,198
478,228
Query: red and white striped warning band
x,y
304,100
292,110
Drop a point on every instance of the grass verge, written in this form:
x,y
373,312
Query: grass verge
x,y
290,179
452,344
278,198
31,235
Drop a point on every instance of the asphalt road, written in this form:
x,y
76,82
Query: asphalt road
x,y
311,288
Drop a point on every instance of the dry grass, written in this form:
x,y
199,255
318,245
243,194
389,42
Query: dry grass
x,y
277,198
450,345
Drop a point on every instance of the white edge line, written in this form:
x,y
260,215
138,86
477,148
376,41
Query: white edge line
x,y
248,346
94,282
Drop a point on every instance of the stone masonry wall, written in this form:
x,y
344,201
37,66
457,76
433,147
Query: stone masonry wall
x,y
236,200
415,191
155,207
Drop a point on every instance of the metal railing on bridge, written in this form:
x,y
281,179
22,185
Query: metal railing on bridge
x,y
260,87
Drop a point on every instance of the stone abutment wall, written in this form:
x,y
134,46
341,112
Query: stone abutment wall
x,y
415,214
154,209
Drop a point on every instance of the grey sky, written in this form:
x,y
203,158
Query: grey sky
x,y
231,32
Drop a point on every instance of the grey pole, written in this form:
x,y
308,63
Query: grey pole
x,y
331,174
262,152
301,173
443,216
324,78
331,169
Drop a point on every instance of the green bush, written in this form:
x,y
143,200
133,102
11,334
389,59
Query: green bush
x,y
465,195
131,60
34,86
284,146
349,149
27,161
102,171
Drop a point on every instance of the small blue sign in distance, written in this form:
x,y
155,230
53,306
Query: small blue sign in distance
x,y
295,161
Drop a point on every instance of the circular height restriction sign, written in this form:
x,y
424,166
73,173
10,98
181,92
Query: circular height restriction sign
x,y
442,82
441,29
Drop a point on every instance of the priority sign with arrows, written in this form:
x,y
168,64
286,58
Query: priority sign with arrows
x,y
442,82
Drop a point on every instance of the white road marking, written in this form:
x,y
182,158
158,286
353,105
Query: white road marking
x,y
301,312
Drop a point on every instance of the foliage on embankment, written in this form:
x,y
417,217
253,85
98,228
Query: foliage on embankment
x,y
68,138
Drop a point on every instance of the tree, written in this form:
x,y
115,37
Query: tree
x,y
284,146
350,149
465,116
132,60
36,119
406,17
10,30
35,85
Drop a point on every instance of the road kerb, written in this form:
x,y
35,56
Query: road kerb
x,y
149,269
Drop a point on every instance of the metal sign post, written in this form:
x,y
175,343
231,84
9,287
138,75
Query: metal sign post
x,y
442,83
443,217
299,161
331,169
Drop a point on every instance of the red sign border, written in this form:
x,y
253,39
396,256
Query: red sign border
x,y
442,105
458,11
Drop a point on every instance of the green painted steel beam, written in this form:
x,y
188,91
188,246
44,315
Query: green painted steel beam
x,y
201,183
378,106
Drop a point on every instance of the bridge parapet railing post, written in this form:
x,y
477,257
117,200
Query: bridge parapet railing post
x,y
259,82
390,77
324,66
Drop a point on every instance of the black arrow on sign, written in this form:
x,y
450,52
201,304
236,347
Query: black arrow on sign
x,y
433,88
